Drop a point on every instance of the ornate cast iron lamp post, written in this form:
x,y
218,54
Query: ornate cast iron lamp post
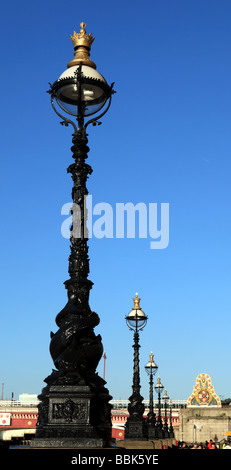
x,y
159,389
151,369
165,427
171,431
74,408
135,425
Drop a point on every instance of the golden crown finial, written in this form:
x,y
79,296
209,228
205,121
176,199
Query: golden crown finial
x,y
82,44
82,38
151,356
136,301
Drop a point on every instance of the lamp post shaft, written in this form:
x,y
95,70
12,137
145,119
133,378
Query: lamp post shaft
x,y
135,425
76,318
151,394
136,366
171,431
159,411
151,417
159,420
79,260
75,402
165,419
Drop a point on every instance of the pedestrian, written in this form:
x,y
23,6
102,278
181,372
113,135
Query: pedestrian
x,y
183,445
227,445
194,446
209,444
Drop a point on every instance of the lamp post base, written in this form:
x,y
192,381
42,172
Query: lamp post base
x,y
151,432
66,413
135,430
159,434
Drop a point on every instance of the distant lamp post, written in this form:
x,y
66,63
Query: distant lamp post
x,y
159,389
135,426
74,407
151,369
165,427
171,431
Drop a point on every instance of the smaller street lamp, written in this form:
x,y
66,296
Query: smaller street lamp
x,y
165,398
151,369
171,432
159,389
135,425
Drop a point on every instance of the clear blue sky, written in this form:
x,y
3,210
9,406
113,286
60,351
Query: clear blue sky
x,y
166,138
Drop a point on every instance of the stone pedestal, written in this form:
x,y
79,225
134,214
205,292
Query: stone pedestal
x,y
135,430
65,413
151,432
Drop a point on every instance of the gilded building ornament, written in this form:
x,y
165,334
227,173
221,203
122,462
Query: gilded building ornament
x,y
203,393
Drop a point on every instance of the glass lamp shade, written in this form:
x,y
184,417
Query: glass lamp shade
x,y
165,396
136,319
151,366
82,91
159,387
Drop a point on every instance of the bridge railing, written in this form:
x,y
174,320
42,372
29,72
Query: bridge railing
x,y
116,404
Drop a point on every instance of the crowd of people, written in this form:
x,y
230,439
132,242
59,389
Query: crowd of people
x,y
206,445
